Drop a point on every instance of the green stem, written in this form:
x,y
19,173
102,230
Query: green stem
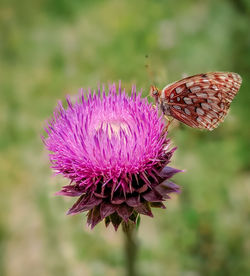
x,y
129,230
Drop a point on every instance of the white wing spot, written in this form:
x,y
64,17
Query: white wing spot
x,y
207,119
201,95
187,111
212,114
222,78
187,100
189,84
200,111
236,87
199,119
195,89
178,99
219,96
171,95
178,90
214,87
177,107
211,93
235,77
205,106
215,107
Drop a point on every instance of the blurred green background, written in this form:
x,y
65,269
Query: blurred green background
x,y
52,48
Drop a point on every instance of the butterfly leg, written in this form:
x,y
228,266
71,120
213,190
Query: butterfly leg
x,y
168,123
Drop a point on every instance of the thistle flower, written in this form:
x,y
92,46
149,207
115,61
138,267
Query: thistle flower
x,y
115,153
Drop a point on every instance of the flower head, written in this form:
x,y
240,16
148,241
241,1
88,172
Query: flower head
x,y
114,150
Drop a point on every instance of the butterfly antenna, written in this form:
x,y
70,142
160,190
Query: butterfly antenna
x,y
149,72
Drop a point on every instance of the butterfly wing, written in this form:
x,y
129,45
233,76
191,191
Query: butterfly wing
x,y
203,100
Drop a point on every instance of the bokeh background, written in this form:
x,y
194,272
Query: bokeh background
x,y
50,48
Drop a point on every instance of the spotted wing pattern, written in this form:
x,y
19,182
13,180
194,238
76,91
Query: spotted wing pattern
x,y
203,100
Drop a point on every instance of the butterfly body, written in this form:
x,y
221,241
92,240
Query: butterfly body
x,y
200,101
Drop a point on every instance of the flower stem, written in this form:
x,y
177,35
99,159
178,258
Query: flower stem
x,y
129,229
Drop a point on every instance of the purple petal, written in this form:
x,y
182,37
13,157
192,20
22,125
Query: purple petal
x,y
94,217
170,187
107,209
84,203
144,209
89,217
133,217
115,220
133,201
142,189
124,211
117,200
107,221
100,195
157,205
163,191
168,172
70,190
152,196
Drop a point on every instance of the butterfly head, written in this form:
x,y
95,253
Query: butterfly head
x,y
155,92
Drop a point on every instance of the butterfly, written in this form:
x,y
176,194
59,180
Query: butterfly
x,y
199,101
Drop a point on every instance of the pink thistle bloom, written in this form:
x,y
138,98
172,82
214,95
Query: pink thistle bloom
x,y
114,151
